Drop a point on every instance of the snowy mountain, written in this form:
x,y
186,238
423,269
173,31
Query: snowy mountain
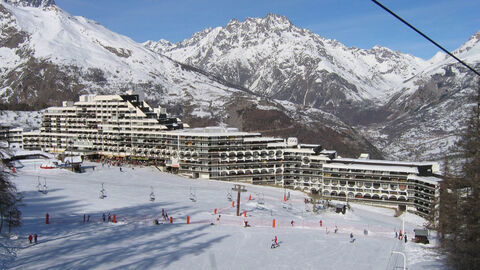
x,y
48,55
430,109
405,105
273,58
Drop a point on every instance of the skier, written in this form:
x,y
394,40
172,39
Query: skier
x,y
109,217
30,238
336,229
218,219
35,236
321,223
396,234
88,218
351,235
84,218
405,236
292,223
276,243
103,217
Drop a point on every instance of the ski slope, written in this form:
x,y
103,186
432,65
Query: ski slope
x,y
134,242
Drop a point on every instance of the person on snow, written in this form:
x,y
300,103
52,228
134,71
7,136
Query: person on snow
x,y
405,236
336,229
30,238
88,218
276,243
35,236
104,217
351,235
109,217
292,223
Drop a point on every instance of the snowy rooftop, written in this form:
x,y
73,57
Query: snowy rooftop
x,y
372,167
385,162
211,132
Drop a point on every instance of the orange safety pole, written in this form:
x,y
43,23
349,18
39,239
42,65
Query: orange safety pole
x,y
13,169
215,211
250,197
245,213
114,218
171,219
284,197
273,224
188,219
233,203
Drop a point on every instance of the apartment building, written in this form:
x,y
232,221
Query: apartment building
x,y
123,127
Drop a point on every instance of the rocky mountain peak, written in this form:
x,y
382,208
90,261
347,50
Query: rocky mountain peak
x,y
269,22
32,3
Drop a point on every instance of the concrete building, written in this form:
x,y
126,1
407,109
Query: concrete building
x,y
123,127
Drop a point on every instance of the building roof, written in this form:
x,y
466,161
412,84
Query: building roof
x,y
384,162
428,179
372,167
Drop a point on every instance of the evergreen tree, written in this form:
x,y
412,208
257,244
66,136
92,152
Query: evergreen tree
x,y
459,223
10,200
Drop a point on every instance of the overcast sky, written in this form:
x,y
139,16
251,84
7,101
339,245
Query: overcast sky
x,y
359,23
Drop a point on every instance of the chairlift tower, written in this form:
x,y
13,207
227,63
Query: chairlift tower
x,y
239,188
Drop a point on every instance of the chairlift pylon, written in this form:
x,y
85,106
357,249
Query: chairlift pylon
x,y
103,194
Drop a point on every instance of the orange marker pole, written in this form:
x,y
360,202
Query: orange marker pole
x,y
215,211
250,197
171,219
188,219
114,218
233,203
273,224
245,213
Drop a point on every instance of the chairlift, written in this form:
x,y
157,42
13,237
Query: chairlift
x,y
39,185
193,197
152,195
261,198
45,188
103,194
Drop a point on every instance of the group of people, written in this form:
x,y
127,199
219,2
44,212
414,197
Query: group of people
x,y
32,238
86,218
401,236
109,218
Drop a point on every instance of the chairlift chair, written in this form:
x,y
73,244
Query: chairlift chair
x,y
152,195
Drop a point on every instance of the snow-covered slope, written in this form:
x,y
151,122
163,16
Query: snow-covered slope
x,y
135,243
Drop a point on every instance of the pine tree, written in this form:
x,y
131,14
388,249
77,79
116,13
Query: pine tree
x,y
460,201
10,201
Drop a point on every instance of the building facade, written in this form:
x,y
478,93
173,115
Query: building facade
x,y
123,127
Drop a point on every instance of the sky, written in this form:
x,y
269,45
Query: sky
x,y
355,23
